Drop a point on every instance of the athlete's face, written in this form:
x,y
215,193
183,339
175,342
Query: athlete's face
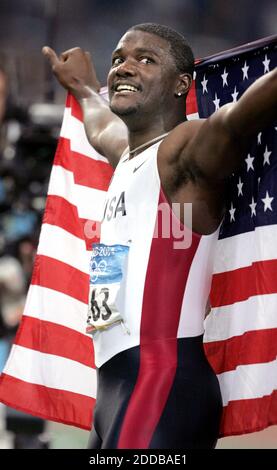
x,y
143,74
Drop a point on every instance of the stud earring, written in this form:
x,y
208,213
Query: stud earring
x,y
179,94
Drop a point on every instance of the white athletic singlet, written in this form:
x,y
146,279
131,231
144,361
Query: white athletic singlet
x,y
145,286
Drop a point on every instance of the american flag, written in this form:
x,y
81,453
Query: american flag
x,y
241,333
51,372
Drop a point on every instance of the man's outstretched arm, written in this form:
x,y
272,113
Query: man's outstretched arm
x,y
75,72
218,146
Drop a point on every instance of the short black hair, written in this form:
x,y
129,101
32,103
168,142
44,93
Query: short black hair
x,y
179,47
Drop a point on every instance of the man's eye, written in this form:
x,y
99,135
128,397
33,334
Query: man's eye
x,y
146,60
117,61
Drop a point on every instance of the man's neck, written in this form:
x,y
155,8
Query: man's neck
x,y
141,135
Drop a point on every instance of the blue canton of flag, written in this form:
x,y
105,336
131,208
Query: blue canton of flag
x,y
252,200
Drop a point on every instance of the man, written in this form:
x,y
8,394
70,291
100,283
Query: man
x,y
149,293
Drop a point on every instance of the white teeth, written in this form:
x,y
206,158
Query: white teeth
x,y
126,88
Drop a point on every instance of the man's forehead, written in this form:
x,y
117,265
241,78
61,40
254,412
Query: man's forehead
x,y
143,40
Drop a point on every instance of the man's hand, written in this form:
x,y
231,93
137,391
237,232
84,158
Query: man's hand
x,y
76,73
74,70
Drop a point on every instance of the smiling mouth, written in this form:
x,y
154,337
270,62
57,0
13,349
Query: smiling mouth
x,y
125,89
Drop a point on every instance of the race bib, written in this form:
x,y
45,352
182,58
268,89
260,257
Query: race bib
x,y
106,272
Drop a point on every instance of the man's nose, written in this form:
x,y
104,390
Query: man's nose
x,y
127,68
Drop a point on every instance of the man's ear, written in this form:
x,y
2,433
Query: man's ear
x,y
183,84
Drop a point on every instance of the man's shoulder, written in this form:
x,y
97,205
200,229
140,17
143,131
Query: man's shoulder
x,y
178,138
186,128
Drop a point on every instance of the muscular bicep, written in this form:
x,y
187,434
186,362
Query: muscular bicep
x,y
214,152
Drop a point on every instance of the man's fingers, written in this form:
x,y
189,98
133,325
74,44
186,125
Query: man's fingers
x,y
51,55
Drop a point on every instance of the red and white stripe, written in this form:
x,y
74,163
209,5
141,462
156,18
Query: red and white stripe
x,y
50,371
241,330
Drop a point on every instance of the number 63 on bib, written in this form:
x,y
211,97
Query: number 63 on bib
x,y
106,273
